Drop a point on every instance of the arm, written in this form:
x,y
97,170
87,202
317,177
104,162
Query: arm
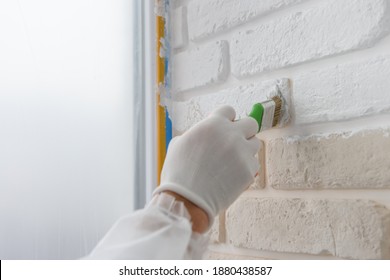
x,y
162,230
198,216
205,170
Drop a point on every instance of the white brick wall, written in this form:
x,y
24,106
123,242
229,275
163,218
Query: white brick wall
x,y
207,17
309,34
343,228
347,160
202,66
324,186
187,113
343,91
179,33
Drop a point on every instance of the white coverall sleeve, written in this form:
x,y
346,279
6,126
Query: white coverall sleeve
x,y
162,230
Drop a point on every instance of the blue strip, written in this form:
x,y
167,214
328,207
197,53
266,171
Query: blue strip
x,y
168,129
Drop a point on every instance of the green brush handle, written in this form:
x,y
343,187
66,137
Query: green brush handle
x,y
257,113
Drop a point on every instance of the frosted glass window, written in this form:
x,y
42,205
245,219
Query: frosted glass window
x,y
66,158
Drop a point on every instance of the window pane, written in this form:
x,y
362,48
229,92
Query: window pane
x,y
65,124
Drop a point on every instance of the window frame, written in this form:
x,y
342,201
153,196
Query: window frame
x,y
145,168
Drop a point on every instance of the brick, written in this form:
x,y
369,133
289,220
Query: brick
x,y
341,92
358,160
329,28
217,231
259,182
179,28
208,17
343,228
345,91
186,114
202,66
214,231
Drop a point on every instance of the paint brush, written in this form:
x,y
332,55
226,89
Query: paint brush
x,y
271,113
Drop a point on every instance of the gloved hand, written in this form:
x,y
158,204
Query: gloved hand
x,y
213,162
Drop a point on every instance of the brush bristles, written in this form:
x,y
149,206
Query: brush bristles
x,y
278,110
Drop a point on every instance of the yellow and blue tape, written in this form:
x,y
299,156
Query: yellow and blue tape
x,y
164,124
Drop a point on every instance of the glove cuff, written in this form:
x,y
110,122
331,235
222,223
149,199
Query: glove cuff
x,y
194,198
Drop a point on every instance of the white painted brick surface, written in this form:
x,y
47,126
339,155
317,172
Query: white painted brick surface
x,y
337,161
207,17
186,114
331,27
179,28
214,231
259,182
205,65
342,92
342,228
331,84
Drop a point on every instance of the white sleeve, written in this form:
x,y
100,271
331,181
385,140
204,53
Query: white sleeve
x,y
162,230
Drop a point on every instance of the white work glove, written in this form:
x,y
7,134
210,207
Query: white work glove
x,y
213,162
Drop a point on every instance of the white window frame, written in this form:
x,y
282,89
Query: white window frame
x,y
145,176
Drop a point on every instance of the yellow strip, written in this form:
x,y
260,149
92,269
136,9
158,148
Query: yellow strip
x,y
160,65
